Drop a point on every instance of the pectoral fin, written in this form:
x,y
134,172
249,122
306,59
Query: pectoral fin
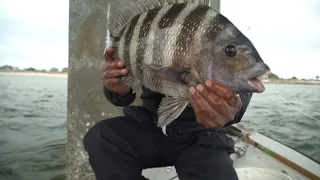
x,y
184,76
130,81
170,109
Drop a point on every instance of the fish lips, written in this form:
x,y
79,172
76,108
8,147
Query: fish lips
x,y
252,77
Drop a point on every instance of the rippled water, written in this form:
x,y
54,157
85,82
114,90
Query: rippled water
x,y
32,127
33,123
275,118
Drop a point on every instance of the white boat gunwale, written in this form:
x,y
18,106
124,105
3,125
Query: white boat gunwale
x,y
277,157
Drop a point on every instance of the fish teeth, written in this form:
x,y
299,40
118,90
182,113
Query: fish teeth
x,y
262,77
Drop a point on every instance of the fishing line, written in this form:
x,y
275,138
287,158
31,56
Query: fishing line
x,y
156,175
290,103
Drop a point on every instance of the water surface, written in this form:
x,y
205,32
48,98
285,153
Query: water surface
x,y
33,130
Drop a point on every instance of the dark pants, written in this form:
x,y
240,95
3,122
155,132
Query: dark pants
x,y
120,148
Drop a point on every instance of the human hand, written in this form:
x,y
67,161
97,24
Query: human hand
x,y
111,70
214,104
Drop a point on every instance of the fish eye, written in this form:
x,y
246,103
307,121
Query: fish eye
x,y
231,50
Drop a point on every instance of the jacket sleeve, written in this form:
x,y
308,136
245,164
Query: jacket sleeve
x,y
245,100
117,99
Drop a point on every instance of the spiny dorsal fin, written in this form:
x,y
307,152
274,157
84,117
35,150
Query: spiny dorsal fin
x,y
122,11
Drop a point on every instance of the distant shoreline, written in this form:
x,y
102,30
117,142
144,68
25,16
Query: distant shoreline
x,y
292,81
59,74
24,73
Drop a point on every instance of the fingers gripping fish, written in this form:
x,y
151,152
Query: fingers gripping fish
x,y
170,46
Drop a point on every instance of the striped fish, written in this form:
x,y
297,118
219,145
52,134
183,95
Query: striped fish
x,y
170,46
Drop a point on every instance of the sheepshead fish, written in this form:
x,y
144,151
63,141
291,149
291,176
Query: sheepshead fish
x,y
169,47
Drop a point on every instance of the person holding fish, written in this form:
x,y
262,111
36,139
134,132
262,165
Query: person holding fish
x,y
197,73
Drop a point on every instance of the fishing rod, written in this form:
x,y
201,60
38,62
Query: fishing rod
x,y
245,137
282,159
237,132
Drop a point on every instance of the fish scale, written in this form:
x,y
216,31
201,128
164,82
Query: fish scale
x,y
170,46
174,14
134,46
128,43
186,35
173,33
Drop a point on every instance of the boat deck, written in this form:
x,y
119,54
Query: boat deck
x,y
249,156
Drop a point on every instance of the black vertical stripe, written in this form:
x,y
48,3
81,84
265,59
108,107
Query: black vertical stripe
x,y
186,36
115,42
117,38
142,40
166,21
217,22
128,39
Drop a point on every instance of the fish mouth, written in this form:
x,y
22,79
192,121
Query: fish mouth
x,y
253,76
256,82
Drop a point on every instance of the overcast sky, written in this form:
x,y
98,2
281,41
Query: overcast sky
x,y
34,33
285,32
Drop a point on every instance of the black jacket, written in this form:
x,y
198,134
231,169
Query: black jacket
x,y
151,101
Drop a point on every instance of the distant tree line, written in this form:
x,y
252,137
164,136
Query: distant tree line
x,y
274,76
7,68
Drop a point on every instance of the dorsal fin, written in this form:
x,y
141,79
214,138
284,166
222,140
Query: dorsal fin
x,y
122,11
